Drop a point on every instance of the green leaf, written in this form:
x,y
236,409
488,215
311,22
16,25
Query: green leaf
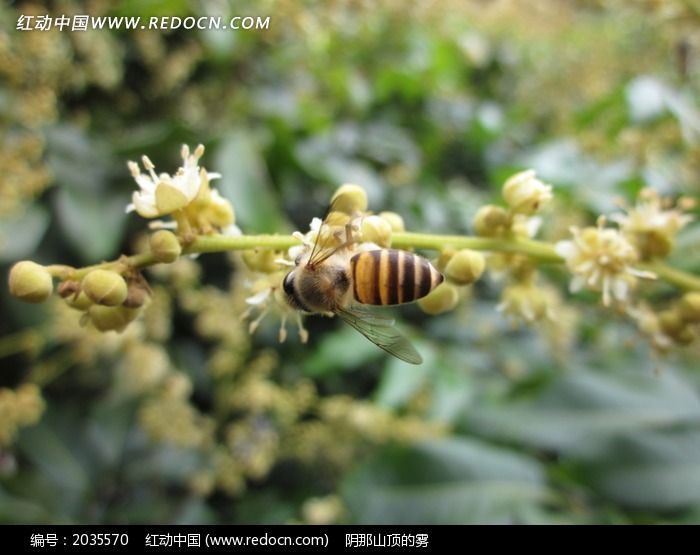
x,y
245,183
20,234
77,161
341,350
453,390
16,510
447,481
400,380
45,447
92,223
586,405
164,463
649,470
107,430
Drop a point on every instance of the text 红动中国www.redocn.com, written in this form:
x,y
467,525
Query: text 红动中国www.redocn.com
x,y
82,22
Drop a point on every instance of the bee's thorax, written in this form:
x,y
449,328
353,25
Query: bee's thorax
x,y
317,289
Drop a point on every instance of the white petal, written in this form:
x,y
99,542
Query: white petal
x,y
620,288
259,298
232,231
577,284
160,224
315,224
533,226
145,205
188,182
566,249
145,183
641,273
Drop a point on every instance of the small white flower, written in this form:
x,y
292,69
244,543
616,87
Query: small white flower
x,y
601,260
525,193
161,194
267,298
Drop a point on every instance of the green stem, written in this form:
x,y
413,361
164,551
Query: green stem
x,y
219,243
679,278
539,250
543,252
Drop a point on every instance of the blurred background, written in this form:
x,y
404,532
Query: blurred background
x,y
186,418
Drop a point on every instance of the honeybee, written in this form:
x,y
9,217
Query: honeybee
x,y
338,279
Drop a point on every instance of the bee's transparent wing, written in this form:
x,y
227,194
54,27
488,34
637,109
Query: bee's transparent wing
x,y
382,333
318,253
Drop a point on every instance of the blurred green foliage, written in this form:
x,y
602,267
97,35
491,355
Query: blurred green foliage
x,y
578,421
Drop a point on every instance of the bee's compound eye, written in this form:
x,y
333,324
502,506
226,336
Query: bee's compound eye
x,y
288,284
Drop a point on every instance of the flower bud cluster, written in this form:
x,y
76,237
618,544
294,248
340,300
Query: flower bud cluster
x,y
522,299
678,324
19,408
107,300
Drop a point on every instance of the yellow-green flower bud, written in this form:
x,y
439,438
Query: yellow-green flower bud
x,y
395,221
671,322
490,221
652,244
221,213
672,325
337,219
165,246
689,307
465,267
105,287
377,230
349,198
684,337
444,257
30,282
79,302
108,318
262,260
177,386
441,299
526,194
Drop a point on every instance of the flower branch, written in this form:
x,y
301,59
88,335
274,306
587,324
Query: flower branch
x,y
537,250
606,259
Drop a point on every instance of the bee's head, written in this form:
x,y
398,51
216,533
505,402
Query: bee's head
x,y
288,283
290,291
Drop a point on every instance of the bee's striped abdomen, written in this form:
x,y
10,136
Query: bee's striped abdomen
x,y
388,276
